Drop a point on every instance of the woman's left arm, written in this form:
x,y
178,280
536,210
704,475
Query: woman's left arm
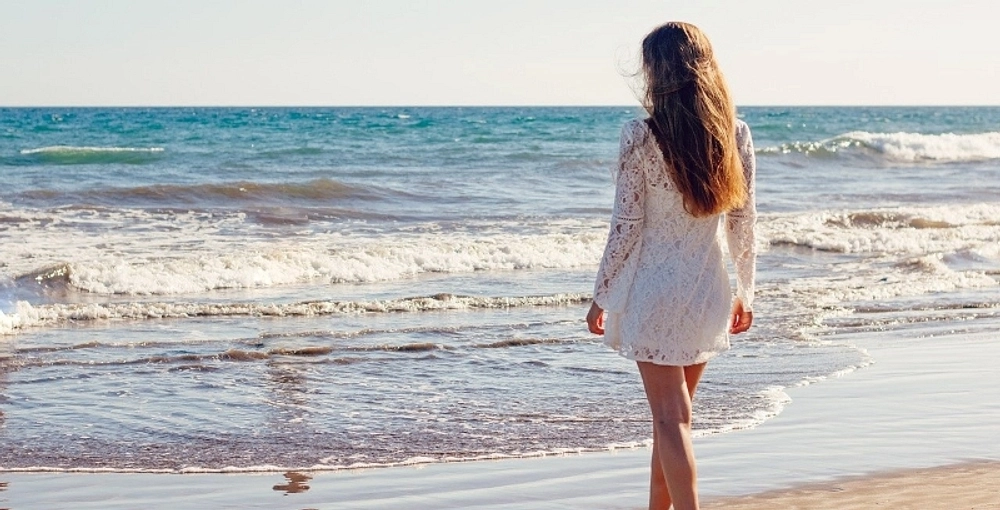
x,y
740,224
614,276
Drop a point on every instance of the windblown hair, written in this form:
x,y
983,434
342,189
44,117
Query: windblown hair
x,y
693,118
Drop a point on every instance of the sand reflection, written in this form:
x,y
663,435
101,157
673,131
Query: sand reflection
x,y
296,483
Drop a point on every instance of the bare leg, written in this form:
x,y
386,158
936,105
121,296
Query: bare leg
x,y
659,496
670,391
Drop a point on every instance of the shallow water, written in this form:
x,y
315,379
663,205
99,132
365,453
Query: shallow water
x,y
203,289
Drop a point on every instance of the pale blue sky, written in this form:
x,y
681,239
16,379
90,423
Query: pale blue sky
x,y
472,52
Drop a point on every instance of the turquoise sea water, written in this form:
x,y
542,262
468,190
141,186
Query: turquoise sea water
x,y
213,288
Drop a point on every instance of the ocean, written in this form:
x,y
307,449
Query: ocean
x,y
245,289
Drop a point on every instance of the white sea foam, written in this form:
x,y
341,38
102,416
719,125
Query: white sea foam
x,y
9,323
894,253
775,400
23,316
989,252
898,231
917,147
330,464
904,147
902,251
189,252
28,315
865,361
266,265
855,282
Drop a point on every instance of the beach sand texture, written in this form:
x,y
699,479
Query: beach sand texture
x,y
973,486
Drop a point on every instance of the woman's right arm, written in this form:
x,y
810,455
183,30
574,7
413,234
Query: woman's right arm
x,y
614,277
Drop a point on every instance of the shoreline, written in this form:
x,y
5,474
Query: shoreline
x,y
921,415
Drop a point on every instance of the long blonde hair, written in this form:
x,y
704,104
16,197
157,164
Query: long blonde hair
x,y
693,118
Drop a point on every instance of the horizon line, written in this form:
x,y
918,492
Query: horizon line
x,y
749,105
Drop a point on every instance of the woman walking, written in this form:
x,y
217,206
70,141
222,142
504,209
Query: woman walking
x,y
662,296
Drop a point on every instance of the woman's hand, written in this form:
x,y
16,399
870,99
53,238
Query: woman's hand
x,y
740,320
595,319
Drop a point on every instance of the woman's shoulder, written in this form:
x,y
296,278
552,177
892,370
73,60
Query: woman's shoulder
x,y
634,125
742,132
635,130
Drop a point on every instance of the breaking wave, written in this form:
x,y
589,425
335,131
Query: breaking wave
x,y
897,231
901,147
27,315
312,260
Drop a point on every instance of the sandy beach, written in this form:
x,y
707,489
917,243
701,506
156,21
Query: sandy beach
x,y
969,486
915,429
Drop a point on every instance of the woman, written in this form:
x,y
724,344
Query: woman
x,y
662,281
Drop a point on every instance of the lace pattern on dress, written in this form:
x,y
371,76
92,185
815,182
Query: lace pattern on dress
x,y
620,258
681,302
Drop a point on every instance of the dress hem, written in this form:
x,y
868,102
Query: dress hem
x,y
704,357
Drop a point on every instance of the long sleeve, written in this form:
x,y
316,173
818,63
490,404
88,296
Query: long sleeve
x,y
618,266
740,223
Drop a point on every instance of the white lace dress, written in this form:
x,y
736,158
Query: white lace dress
x,y
662,279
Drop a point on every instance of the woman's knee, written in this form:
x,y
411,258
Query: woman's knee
x,y
667,392
672,416
671,410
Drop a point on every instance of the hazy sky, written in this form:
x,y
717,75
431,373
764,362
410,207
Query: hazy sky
x,y
475,52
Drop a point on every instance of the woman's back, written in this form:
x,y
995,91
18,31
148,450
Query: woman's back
x,y
666,223
664,280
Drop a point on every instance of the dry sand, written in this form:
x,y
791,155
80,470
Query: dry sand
x,y
960,487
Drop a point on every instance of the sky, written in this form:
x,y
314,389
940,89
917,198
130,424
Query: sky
x,y
477,52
